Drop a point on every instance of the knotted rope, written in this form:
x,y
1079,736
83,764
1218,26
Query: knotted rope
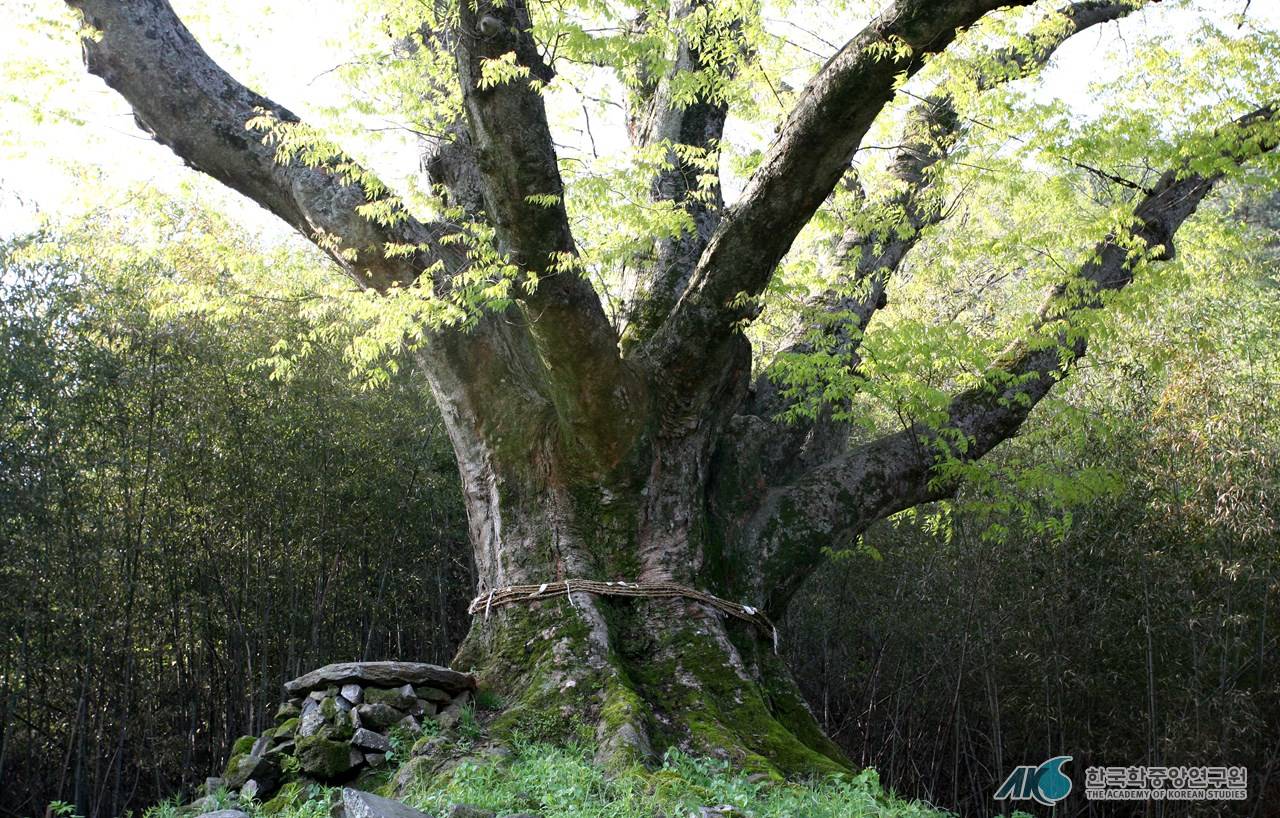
x,y
513,594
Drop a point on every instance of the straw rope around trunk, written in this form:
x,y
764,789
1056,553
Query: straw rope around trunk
x,y
513,594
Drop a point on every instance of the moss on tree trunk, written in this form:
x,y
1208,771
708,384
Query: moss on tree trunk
x,y
640,676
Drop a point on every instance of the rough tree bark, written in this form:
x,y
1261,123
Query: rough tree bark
x,y
584,457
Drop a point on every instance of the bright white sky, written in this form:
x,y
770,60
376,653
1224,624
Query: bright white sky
x,y
52,111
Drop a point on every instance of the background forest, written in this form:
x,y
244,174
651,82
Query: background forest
x,y
178,545
219,466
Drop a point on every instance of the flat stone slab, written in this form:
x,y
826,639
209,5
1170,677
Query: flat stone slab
x,y
369,740
381,674
357,804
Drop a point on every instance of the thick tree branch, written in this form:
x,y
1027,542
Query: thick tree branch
x,y
933,127
838,500
448,159
812,152
524,199
187,102
868,258
652,286
450,163
510,135
863,260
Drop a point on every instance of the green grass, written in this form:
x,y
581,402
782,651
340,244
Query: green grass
x,y
171,808
559,782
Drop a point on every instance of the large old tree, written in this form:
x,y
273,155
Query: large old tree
x,y
633,437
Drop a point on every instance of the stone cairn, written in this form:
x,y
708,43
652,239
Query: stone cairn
x,y
336,723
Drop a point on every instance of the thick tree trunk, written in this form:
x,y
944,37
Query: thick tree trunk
x,y
641,675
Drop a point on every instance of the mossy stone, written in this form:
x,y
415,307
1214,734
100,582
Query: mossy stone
x,y
322,757
372,780
399,699
263,769
432,694
283,800
378,715
342,731
285,747
411,775
243,746
420,746
329,709
288,711
287,728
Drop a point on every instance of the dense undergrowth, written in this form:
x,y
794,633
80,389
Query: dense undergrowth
x,y
563,782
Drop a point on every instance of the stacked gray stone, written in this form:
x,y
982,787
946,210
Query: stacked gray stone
x,y
357,804
337,721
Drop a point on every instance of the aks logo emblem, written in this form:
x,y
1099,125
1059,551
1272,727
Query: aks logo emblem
x,y
1047,784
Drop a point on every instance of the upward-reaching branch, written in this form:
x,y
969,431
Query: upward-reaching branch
x,y
863,260
187,102
839,499
658,117
812,152
448,159
524,198
867,258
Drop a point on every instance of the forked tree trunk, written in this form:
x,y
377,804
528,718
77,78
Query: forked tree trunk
x,y
638,675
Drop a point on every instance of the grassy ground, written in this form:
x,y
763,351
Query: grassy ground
x,y
560,782
563,783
